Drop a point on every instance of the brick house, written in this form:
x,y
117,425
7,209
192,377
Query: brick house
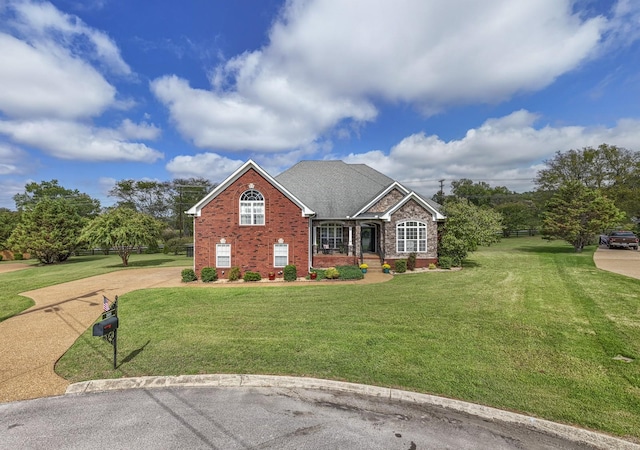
x,y
315,214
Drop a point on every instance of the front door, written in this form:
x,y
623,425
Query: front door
x,y
368,238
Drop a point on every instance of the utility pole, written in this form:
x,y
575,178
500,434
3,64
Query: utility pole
x,y
441,193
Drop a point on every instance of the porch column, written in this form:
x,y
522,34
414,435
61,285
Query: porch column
x,y
314,247
350,251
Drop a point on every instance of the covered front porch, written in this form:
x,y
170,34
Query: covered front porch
x,y
337,243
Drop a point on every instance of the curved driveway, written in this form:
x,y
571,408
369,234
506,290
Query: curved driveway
x,y
35,339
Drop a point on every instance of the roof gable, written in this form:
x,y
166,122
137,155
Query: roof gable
x,y
435,213
196,210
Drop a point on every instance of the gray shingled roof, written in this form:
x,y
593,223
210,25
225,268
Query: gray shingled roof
x,y
334,189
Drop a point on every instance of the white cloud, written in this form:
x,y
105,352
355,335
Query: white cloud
x,y
506,151
435,53
328,61
13,160
144,131
73,140
282,117
51,64
47,82
41,22
206,165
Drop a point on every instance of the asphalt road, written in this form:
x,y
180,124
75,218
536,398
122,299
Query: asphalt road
x,y
252,418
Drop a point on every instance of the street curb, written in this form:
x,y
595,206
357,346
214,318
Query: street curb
x,y
577,435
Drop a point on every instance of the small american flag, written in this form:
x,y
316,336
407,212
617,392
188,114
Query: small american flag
x,y
105,303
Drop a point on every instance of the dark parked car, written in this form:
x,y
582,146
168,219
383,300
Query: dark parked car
x,y
623,239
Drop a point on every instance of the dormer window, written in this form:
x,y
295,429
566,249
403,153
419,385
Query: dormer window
x,y
251,208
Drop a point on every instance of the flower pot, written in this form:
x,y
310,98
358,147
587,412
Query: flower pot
x,y
364,270
313,275
272,276
385,270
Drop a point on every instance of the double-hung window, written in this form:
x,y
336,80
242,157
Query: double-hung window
x,y
411,236
251,208
223,255
280,255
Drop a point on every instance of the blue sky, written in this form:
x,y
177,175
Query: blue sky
x,y
96,91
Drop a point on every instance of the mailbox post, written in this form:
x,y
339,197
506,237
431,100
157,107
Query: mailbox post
x,y
107,328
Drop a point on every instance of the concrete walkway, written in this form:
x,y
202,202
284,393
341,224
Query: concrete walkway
x,y
34,340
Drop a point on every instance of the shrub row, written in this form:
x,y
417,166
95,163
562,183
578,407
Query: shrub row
x,y
209,274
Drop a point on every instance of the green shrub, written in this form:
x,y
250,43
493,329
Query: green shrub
x,y
208,274
445,262
411,261
401,266
290,273
188,275
432,266
349,273
251,276
0,257
234,273
332,273
152,248
176,245
18,256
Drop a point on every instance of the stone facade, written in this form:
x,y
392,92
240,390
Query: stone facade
x,y
411,211
387,202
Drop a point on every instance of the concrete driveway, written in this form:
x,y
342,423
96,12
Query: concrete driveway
x,y
622,261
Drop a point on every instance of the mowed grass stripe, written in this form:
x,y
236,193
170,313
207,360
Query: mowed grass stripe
x,y
527,326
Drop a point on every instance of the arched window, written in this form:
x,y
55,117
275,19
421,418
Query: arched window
x,y
251,208
411,236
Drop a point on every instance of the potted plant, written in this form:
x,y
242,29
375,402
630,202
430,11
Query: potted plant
x,y
272,276
386,267
313,274
364,267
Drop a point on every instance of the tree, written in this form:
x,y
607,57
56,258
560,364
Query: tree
x,y
613,170
49,230
34,192
518,215
8,222
577,214
467,227
479,193
186,192
122,229
145,196
164,200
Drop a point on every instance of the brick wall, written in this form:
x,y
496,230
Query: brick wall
x,y
252,246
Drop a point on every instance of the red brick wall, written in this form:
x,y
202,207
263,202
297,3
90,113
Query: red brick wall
x,y
251,245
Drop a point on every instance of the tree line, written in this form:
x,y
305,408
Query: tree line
x,y
579,194
52,222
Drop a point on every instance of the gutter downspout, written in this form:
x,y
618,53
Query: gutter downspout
x,y
310,234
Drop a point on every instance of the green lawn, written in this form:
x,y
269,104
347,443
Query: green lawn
x,y
527,326
75,268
